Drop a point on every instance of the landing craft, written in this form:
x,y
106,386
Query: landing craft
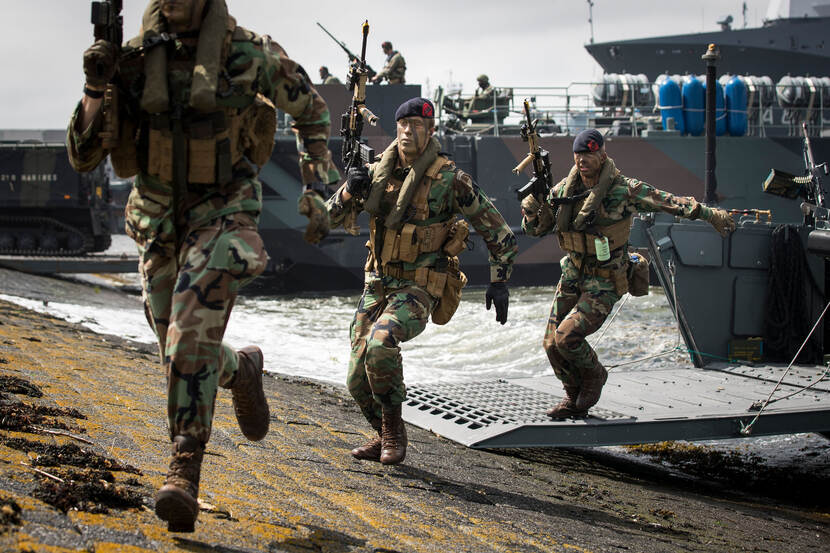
x,y
46,208
751,310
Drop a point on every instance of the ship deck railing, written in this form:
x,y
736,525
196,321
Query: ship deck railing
x,y
573,107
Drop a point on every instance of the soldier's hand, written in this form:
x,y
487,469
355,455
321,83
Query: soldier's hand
x,y
721,220
530,207
358,181
311,205
498,295
99,63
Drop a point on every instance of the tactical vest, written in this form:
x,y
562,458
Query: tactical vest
x,y
183,144
420,235
584,242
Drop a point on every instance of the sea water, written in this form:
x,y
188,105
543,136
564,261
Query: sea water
x,y
308,335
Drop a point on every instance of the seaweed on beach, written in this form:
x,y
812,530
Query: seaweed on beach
x,y
739,470
15,385
90,490
9,514
22,417
50,455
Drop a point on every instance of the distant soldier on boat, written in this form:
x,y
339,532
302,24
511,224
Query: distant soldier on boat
x,y
394,71
326,77
590,212
197,97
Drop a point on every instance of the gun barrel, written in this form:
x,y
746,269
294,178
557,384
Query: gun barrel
x,y
363,48
522,164
368,115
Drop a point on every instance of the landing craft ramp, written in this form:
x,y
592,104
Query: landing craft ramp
x,y
636,407
95,263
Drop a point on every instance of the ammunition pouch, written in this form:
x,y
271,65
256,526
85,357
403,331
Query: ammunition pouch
x,y
215,142
444,281
413,240
450,297
583,242
637,274
124,157
457,242
209,150
619,277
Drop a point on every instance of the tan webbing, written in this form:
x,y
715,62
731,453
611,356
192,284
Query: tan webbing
x,y
617,234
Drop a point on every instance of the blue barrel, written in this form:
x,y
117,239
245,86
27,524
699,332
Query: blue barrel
x,y
694,100
720,112
671,104
736,99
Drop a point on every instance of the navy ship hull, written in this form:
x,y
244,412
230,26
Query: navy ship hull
x,y
672,163
794,46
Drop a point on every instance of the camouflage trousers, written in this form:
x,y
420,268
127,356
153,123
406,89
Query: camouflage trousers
x,y
189,291
390,311
580,306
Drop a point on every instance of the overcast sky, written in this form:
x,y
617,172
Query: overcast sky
x,y
532,43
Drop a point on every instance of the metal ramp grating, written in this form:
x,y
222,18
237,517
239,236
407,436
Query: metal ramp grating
x,y
480,404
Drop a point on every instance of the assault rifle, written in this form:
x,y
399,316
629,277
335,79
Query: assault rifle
x,y
109,25
815,209
814,190
352,58
355,152
541,181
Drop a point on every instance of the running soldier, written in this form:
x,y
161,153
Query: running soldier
x,y
197,105
412,195
590,211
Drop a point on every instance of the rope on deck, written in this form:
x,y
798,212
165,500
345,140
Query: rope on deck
x,y
746,430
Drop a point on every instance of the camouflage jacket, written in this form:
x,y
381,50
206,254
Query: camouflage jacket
x,y
254,65
395,68
627,197
454,193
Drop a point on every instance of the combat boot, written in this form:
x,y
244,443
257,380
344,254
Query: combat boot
x,y
370,451
249,403
176,501
567,407
393,436
592,383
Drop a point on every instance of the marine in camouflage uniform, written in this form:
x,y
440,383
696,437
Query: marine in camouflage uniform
x,y
394,70
197,96
412,270
591,207
326,77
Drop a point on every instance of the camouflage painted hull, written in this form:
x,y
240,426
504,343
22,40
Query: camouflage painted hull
x,y
673,163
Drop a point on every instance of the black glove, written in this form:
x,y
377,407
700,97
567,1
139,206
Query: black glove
x,y
358,181
497,294
318,187
99,63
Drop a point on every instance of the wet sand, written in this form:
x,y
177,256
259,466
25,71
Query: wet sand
x,y
84,446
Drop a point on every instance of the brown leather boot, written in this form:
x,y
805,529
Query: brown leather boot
x,y
393,436
567,407
592,383
176,501
370,451
249,403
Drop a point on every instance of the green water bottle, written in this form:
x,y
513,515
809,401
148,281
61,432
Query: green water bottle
x,y
601,245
